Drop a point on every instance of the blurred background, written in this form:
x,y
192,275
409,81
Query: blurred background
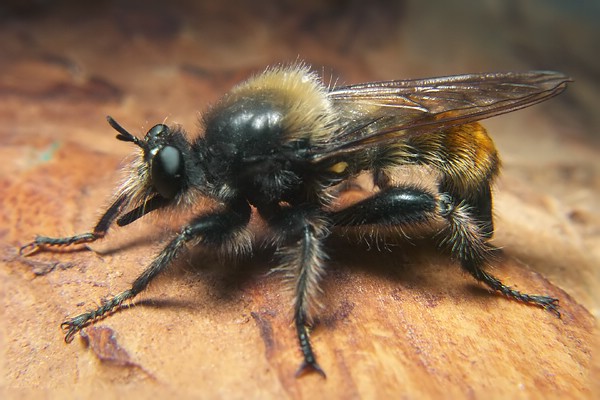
x,y
176,57
65,65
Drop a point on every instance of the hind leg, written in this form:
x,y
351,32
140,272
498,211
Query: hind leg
x,y
467,240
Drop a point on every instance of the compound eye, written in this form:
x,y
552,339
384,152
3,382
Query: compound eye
x,y
167,171
157,131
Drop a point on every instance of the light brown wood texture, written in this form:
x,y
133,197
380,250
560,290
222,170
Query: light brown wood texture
x,y
401,322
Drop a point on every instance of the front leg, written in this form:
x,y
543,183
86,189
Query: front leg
x,y
98,232
101,228
216,230
299,236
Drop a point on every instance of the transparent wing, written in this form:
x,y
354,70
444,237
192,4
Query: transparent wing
x,y
377,112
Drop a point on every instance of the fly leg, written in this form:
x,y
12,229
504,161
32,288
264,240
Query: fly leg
x,y
212,229
468,244
99,232
299,237
101,228
466,238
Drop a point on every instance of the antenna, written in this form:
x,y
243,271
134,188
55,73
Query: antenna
x,y
123,134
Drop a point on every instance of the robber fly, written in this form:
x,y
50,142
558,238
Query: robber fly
x,y
282,140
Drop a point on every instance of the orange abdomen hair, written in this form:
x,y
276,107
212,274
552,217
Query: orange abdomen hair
x,y
469,159
465,158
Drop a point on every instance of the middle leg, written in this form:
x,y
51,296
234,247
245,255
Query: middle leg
x,y
299,234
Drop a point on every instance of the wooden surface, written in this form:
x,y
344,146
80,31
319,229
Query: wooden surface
x,y
403,323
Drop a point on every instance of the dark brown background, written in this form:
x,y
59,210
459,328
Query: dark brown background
x,y
406,323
